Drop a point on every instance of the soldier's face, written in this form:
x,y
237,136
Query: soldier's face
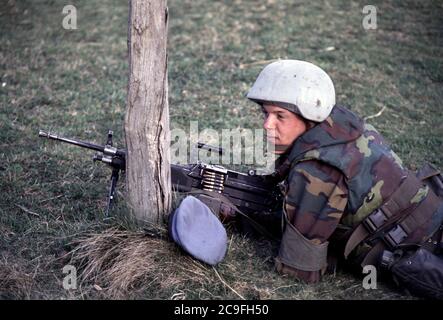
x,y
282,126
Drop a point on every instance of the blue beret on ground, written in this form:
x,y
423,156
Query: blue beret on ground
x,y
198,231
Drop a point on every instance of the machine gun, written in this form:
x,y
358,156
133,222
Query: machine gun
x,y
250,193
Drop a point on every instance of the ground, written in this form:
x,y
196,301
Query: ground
x,y
74,82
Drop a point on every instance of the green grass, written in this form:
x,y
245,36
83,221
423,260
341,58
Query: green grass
x,y
74,82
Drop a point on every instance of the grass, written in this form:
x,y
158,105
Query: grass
x,y
74,82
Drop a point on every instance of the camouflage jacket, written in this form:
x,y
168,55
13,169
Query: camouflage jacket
x,y
339,171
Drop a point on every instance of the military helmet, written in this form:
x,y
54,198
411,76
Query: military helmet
x,y
298,86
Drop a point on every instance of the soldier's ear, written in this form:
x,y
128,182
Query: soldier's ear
x,y
309,124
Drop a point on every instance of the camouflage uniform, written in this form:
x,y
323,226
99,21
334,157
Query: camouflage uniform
x,y
337,173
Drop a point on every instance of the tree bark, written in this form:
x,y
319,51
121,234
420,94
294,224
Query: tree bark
x,y
147,115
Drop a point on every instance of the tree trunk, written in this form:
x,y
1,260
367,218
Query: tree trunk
x,y
147,115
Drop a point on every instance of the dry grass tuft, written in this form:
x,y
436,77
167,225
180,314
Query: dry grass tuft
x,y
124,264
15,281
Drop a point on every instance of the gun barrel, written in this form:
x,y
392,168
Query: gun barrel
x,y
79,143
201,145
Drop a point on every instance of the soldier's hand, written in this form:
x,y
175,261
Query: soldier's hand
x,y
227,213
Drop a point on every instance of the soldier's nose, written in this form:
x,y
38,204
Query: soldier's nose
x,y
269,124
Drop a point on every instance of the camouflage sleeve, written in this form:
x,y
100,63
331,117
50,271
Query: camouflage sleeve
x,y
315,200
